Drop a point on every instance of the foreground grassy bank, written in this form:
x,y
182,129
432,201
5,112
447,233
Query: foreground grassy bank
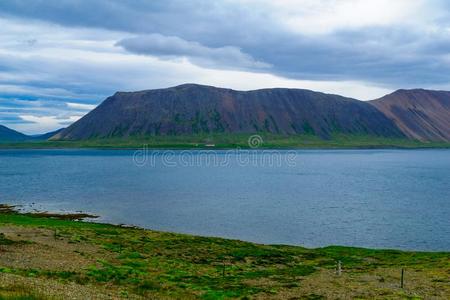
x,y
227,141
45,257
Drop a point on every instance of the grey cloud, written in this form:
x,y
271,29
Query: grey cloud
x,y
382,55
171,46
212,33
40,107
212,19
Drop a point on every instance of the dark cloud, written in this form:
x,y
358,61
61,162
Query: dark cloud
x,y
189,19
170,46
392,56
227,35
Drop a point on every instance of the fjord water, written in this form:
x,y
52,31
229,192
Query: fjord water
x,y
370,198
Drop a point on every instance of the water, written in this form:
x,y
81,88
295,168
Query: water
x,y
370,198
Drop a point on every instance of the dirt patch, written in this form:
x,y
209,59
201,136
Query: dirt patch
x,y
383,282
39,288
37,248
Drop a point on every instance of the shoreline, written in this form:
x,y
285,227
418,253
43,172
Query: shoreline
x,y
85,217
44,257
233,141
446,147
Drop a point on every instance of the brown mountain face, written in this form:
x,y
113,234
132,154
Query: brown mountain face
x,y
193,109
420,114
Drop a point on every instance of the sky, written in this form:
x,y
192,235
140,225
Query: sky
x,y
61,58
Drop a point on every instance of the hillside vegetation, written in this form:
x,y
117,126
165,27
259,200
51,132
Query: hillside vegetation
x,y
232,141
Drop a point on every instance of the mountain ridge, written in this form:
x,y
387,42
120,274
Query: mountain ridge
x,y
420,114
189,109
192,109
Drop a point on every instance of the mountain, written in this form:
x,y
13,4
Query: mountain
x,y
10,135
192,109
420,114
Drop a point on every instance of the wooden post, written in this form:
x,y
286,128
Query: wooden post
x,y
402,278
223,269
339,268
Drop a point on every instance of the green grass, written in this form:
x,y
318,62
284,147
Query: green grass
x,y
145,262
227,141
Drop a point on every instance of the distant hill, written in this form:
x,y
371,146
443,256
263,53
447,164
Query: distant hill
x,y
420,114
194,109
10,135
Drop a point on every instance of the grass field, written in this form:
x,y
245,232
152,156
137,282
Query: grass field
x,y
44,257
226,141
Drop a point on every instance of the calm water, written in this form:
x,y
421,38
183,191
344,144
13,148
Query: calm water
x,y
371,198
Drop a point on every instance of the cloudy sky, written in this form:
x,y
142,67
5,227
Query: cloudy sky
x,y
60,58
